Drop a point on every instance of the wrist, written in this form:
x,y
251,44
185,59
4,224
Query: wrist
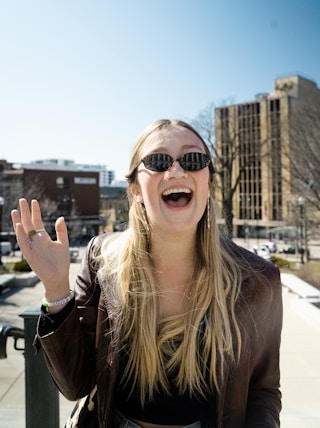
x,y
58,304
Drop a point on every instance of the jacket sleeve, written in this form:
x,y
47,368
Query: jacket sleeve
x,y
69,351
264,397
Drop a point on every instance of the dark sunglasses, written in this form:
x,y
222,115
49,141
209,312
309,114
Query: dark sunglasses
x,y
160,162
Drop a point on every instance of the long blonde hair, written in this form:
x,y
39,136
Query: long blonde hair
x,y
179,347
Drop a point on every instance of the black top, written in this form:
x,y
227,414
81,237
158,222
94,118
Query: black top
x,y
164,409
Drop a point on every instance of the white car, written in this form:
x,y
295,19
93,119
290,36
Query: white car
x,y
6,248
74,255
262,250
272,246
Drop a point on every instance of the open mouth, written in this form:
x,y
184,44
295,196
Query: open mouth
x,y
177,198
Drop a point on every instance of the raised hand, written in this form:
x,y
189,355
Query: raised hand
x,y
49,259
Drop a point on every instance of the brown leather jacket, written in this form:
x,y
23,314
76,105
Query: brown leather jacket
x,y
79,354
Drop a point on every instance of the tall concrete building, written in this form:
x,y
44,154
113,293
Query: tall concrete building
x,y
256,137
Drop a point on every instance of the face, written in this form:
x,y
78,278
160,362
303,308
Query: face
x,y
175,200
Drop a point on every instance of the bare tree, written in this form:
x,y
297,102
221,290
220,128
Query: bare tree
x,y
13,187
304,152
302,155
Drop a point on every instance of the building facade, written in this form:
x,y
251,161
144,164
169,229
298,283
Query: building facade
x,y
254,139
83,194
73,194
106,176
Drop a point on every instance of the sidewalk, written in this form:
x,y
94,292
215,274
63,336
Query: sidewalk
x,y
12,380
300,361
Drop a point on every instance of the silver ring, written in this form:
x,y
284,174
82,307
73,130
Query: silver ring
x,y
40,230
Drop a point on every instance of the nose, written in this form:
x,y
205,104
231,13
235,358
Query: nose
x,y
176,170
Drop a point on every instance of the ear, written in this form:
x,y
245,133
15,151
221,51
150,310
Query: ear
x,y
135,192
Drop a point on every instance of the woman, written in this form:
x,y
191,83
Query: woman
x,y
174,324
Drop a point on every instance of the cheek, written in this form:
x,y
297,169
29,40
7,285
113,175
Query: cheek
x,y
204,183
148,188
204,197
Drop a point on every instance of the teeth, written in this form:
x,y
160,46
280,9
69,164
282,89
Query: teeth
x,y
177,190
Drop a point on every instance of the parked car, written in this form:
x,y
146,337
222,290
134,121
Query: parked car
x,y
74,255
6,248
262,250
272,247
292,250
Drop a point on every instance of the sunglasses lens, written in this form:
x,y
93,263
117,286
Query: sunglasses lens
x,y
158,162
194,161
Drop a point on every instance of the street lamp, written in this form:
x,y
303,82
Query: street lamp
x,y
301,207
1,207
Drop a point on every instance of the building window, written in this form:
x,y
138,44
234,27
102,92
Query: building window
x,y
62,182
249,150
276,155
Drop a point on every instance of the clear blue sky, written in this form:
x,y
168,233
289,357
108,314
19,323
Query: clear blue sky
x,y
79,79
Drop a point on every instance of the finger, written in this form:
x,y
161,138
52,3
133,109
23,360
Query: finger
x,y
36,215
21,235
25,215
23,239
62,231
15,217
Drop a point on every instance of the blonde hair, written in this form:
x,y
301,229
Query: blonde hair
x,y
206,336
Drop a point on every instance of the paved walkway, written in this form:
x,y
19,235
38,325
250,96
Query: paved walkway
x,y
300,362
12,379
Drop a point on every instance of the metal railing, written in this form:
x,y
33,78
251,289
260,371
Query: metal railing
x,y
10,331
41,394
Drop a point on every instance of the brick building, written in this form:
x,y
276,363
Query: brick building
x,y
70,193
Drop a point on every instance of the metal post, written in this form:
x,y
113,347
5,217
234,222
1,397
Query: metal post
x,y
301,204
301,234
42,397
305,226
